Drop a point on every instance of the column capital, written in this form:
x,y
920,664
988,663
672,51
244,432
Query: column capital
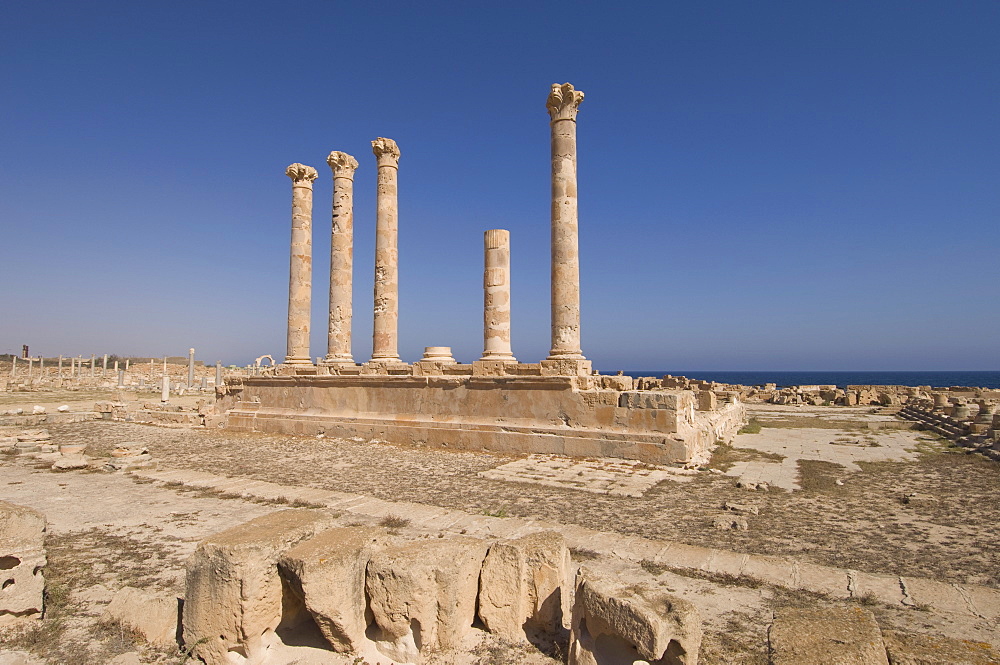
x,y
301,175
386,151
563,102
342,164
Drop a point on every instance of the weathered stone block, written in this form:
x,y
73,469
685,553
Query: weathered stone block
x,y
826,636
614,623
154,616
423,595
524,586
329,571
234,593
22,558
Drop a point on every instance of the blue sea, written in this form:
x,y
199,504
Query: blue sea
x,y
839,379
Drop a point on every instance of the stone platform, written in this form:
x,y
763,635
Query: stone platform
x,y
583,415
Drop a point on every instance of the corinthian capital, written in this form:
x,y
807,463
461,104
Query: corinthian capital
x,y
563,102
343,165
386,151
301,174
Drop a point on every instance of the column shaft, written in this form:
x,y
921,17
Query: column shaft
x,y
338,348
496,296
385,335
562,105
300,264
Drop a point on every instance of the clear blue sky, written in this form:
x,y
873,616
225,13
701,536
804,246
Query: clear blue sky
x,y
763,186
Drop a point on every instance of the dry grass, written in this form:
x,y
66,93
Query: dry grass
x,y
394,522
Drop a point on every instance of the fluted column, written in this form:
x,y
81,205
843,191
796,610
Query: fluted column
x,y
338,346
496,296
385,335
562,105
300,265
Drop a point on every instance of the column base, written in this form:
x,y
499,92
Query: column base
x,y
337,360
297,360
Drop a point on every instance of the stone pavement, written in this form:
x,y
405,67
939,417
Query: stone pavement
x,y
618,477
826,445
981,604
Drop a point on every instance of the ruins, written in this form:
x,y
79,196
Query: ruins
x,y
558,405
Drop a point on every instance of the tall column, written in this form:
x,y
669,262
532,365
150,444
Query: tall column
x,y
190,383
496,296
60,366
385,335
562,104
300,266
338,346
104,371
218,373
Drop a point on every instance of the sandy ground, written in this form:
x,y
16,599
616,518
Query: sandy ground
x,y
108,531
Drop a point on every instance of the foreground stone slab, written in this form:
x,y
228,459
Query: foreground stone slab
x,y
524,586
915,649
22,558
329,571
234,594
827,636
614,623
423,595
154,616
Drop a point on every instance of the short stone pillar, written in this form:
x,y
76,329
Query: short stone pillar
x,y
13,365
300,264
104,368
338,346
961,412
562,104
439,354
190,383
121,378
385,334
496,297
93,366
940,401
165,389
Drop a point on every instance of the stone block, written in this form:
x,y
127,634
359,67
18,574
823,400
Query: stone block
x,y
234,594
617,623
22,558
328,570
826,636
914,649
524,586
154,616
423,595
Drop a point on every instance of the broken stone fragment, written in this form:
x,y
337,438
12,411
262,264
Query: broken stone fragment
x,y
723,522
70,462
619,623
153,616
741,508
423,595
234,593
328,572
22,558
524,586
826,636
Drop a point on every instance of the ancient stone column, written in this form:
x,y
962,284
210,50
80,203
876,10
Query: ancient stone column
x,y
165,389
93,365
300,265
218,373
338,346
190,383
104,369
385,335
60,366
496,296
562,104
13,365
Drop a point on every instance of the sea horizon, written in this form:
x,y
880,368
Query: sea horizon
x,y
839,378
